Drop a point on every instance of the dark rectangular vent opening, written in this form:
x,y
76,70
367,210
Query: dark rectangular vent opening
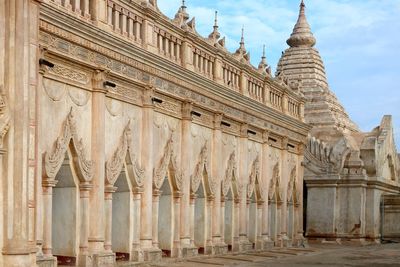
x,y
194,113
251,132
272,139
291,146
156,100
225,124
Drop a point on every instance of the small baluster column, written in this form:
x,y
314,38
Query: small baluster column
x,y
259,238
110,8
124,20
236,224
209,249
48,185
85,8
156,205
136,253
138,31
193,197
222,221
67,4
108,196
131,26
116,13
83,256
176,250
76,6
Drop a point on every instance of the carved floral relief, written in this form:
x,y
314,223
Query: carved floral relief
x,y
68,139
124,154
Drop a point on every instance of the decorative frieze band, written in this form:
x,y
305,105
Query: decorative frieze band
x,y
86,51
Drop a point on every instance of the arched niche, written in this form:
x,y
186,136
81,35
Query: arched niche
x,y
66,183
230,204
254,202
65,214
202,194
291,203
167,183
274,203
123,188
165,217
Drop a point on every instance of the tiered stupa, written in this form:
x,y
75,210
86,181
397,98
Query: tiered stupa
x,y
302,64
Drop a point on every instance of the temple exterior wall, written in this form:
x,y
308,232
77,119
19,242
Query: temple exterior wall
x,y
122,138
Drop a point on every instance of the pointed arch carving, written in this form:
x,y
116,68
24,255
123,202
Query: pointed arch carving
x,y
201,170
125,154
230,180
254,182
168,162
274,187
68,139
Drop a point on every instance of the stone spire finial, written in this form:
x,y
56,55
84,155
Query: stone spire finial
x,y
215,35
241,51
182,16
301,35
263,66
263,62
242,39
216,20
242,48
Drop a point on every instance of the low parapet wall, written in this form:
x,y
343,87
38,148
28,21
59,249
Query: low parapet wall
x,y
391,217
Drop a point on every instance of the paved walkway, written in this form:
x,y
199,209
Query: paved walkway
x,y
317,255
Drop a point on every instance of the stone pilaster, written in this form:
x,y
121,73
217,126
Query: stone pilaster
x,y
300,240
97,207
18,78
217,174
146,235
244,244
188,250
282,230
266,241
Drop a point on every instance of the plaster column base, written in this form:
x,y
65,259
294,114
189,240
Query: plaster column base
x,y
177,252
300,241
221,248
103,259
189,251
46,261
85,260
236,245
152,254
283,241
259,244
209,250
245,245
267,243
14,260
136,255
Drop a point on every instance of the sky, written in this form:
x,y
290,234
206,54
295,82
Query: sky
x,y
358,40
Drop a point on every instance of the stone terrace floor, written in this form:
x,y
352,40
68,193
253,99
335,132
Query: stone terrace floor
x,y
316,255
